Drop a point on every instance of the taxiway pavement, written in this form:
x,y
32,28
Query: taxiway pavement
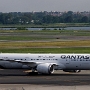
x,y
57,78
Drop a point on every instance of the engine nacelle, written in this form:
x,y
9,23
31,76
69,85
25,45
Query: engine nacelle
x,y
73,71
45,68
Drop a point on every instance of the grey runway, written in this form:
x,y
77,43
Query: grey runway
x,y
58,78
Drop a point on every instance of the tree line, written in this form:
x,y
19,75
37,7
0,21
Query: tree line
x,y
42,17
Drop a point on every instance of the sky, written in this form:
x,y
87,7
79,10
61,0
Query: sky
x,y
44,5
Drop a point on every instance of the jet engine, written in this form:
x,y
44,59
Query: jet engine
x,y
72,71
45,68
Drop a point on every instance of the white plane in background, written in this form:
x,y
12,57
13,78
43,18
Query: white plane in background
x,y
45,63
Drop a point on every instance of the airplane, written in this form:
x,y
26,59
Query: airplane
x,y
45,63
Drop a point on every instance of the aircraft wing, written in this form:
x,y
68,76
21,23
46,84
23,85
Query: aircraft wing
x,y
25,62
19,61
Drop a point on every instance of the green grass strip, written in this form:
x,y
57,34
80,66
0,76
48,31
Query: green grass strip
x,y
46,50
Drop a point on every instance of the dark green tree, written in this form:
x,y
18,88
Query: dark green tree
x,y
69,19
84,19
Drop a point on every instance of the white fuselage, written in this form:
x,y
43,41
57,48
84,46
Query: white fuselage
x,y
61,61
